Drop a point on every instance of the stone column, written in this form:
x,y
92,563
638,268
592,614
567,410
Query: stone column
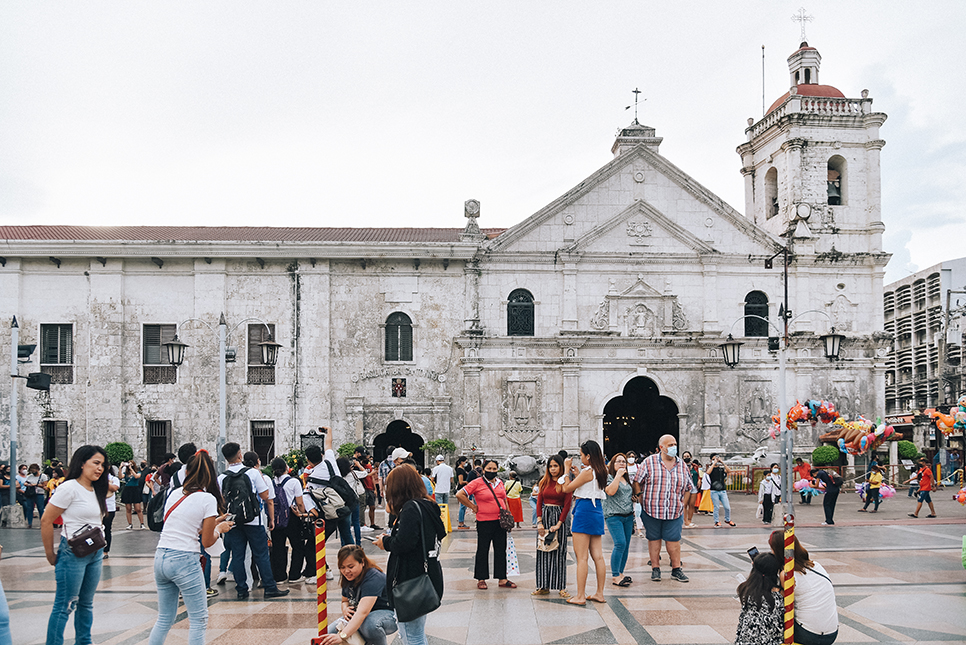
x,y
569,321
710,276
471,297
471,405
712,408
570,426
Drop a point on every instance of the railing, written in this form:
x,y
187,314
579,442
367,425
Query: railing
x,y
827,105
796,103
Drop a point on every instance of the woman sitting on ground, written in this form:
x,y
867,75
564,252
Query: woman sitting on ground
x,y
816,616
762,608
365,606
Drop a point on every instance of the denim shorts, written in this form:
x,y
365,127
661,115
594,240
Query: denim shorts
x,y
924,496
667,530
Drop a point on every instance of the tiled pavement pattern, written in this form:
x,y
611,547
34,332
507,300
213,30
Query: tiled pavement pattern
x,y
897,580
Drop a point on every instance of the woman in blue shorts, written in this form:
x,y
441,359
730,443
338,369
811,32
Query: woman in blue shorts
x,y
587,486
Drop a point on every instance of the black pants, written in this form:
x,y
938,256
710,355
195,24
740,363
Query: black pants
x,y
108,523
805,637
293,533
490,532
872,495
768,506
829,505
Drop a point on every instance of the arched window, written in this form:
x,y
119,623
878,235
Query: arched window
x,y
836,183
519,313
756,304
771,193
399,337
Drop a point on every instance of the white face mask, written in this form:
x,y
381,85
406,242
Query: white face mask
x,y
775,470
630,460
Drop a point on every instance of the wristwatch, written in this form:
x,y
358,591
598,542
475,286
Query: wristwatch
x,y
343,636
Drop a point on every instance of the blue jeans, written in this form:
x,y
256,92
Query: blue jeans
x,y
29,502
621,529
533,508
442,498
235,541
462,515
375,627
179,572
720,498
5,637
356,527
413,632
77,580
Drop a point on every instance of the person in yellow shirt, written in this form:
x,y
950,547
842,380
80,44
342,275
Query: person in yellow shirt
x,y
875,482
513,490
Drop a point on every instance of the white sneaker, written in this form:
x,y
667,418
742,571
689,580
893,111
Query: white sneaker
x,y
222,576
365,529
329,575
130,527
296,581
310,581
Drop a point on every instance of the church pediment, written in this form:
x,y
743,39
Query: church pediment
x,y
642,228
639,202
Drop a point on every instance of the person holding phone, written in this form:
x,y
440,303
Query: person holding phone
x,y
196,508
587,486
718,474
619,516
762,606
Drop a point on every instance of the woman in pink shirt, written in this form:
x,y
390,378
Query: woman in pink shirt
x,y
490,497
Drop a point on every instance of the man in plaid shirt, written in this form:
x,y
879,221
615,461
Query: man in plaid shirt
x,y
659,485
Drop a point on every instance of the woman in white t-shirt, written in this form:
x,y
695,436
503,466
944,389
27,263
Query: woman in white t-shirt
x,y
816,614
79,501
189,511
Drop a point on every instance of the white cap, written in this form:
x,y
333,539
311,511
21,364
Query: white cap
x,y
399,453
439,457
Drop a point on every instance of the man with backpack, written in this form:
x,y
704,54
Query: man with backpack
x,y
325,489
833,485
241,488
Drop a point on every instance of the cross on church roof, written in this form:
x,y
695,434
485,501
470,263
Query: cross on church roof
x,y
636,93
801,17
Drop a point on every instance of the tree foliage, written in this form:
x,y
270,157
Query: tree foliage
x,y
118,451
908,450
825,456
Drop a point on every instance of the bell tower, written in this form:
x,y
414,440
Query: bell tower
x,y
811,164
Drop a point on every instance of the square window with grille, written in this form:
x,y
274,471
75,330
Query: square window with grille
x,y
159,441
258,372
155,360
55,441
57,353
263,440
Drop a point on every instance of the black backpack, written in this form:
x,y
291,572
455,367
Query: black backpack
x,y
282,509
339,485
155,510
240,496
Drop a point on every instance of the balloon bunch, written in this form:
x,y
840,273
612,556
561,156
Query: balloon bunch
x,y
955,420
805,486
885,491
961,497
812,411
861,435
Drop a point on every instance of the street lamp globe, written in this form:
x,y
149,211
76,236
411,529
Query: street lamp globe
x,y
175,351
833,344
730,350
269,351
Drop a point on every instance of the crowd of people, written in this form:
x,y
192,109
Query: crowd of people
x,y
260,530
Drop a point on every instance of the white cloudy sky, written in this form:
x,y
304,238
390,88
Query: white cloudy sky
x,y
393,113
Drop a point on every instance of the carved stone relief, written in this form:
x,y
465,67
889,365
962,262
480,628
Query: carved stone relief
x,y
522,401
638,232
842,313
756,410
639,311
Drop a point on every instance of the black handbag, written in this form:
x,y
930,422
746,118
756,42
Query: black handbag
x,y
506,517
417,596
86,540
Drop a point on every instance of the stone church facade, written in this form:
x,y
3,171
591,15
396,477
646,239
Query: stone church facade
x,y
598,317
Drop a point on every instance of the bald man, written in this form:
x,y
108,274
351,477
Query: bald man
x,y
661,482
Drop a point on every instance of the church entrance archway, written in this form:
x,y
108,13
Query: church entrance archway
x,y
638,418
400,434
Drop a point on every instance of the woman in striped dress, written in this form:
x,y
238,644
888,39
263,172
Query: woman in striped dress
x,y
553,505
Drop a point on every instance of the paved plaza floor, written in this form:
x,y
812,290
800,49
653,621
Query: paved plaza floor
x,y
897,580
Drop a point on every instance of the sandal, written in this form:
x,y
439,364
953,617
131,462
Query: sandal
x,y
564,594
930,516
540,592
571,601
600,600
717,525
509,584
912,515
625,582
731,524
481,584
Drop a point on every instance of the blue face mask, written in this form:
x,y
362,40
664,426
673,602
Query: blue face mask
x,y
672,451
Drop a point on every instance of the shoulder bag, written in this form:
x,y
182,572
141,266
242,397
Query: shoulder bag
x,y
506,518
417,596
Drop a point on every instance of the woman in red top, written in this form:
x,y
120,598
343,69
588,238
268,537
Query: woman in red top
x,y
486,490
553,507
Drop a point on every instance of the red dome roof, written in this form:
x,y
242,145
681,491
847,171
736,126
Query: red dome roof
x,y
810,90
